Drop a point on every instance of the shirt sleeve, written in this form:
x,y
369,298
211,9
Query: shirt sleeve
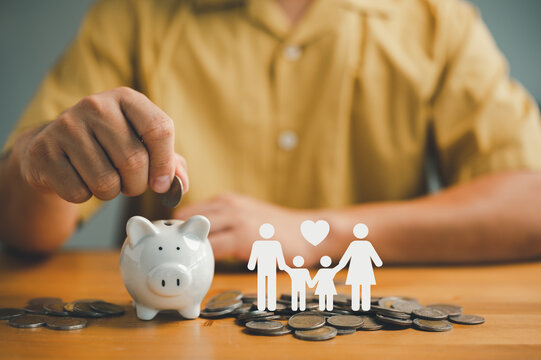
x,y
483,121
99,59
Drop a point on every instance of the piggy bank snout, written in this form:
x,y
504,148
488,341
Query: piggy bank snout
x,y
168,279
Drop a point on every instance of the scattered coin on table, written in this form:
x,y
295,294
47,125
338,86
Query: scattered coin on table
x,y
345,321
28,321
8,313
429,313
53,313
319,334
66,323
56,309
44,300
447,309
391,312
432,325
264,326
306,321
467,319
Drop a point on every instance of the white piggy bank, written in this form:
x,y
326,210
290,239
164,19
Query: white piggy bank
x,y
167,265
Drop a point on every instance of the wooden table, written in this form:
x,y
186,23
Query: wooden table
x,y
508,296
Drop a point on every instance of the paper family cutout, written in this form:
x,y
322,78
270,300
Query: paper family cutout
x,y
360,254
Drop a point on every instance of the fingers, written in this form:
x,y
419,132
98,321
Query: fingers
x,y
91,162
49,167
156,130
109,142
128,155
65,181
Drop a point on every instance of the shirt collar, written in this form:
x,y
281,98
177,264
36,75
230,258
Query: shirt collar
x,y
319,17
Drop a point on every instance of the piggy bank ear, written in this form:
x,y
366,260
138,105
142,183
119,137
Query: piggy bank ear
x,y
195,230
138,228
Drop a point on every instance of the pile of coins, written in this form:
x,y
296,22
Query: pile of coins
x,y
57,315
391,312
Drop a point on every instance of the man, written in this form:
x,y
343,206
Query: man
x,y
285,111
266,254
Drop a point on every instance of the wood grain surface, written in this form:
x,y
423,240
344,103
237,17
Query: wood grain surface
x,y
508,296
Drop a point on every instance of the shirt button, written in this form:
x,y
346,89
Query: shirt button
x,y
292,52
288,140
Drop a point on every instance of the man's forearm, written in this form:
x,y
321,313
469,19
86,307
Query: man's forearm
x,y
31,220
493,218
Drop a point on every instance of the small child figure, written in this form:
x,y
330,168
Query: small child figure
x,y
299,279
325,284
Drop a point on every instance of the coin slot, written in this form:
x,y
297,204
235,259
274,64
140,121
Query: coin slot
x,y
178,282
163,283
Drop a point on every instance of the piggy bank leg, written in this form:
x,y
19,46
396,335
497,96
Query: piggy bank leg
x,y
190,312
145,313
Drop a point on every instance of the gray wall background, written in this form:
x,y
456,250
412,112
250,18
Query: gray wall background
x,y
34,33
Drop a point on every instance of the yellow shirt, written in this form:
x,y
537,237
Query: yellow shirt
x,y
339,109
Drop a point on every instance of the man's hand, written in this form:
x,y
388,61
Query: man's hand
x,y
112,142
235,226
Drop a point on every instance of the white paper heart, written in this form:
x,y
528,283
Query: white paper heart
x,y
315,232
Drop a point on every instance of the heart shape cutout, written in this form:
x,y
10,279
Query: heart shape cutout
x,y
315,232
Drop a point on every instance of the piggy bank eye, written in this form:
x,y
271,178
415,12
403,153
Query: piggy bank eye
x,y
178,248
160,248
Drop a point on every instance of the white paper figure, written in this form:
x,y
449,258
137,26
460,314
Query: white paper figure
x,y
315,232
325,284
266,253
299,279
360,255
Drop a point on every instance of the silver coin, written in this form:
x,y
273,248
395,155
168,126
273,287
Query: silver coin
x,y
44,300
9,313
429,313
447,309
432,325
55,309
283,331
342,299
371,324
107,308
171,198
244,308
66,323
254,314
406,306
387,301
467,319
224,305
28,321
35,309
83,309
249,298
390,312
319,334
393,321
227,295
263,326
345,331
345,321
216,314
306,321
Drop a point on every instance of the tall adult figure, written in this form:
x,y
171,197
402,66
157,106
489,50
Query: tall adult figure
x,y
266,253
360,255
